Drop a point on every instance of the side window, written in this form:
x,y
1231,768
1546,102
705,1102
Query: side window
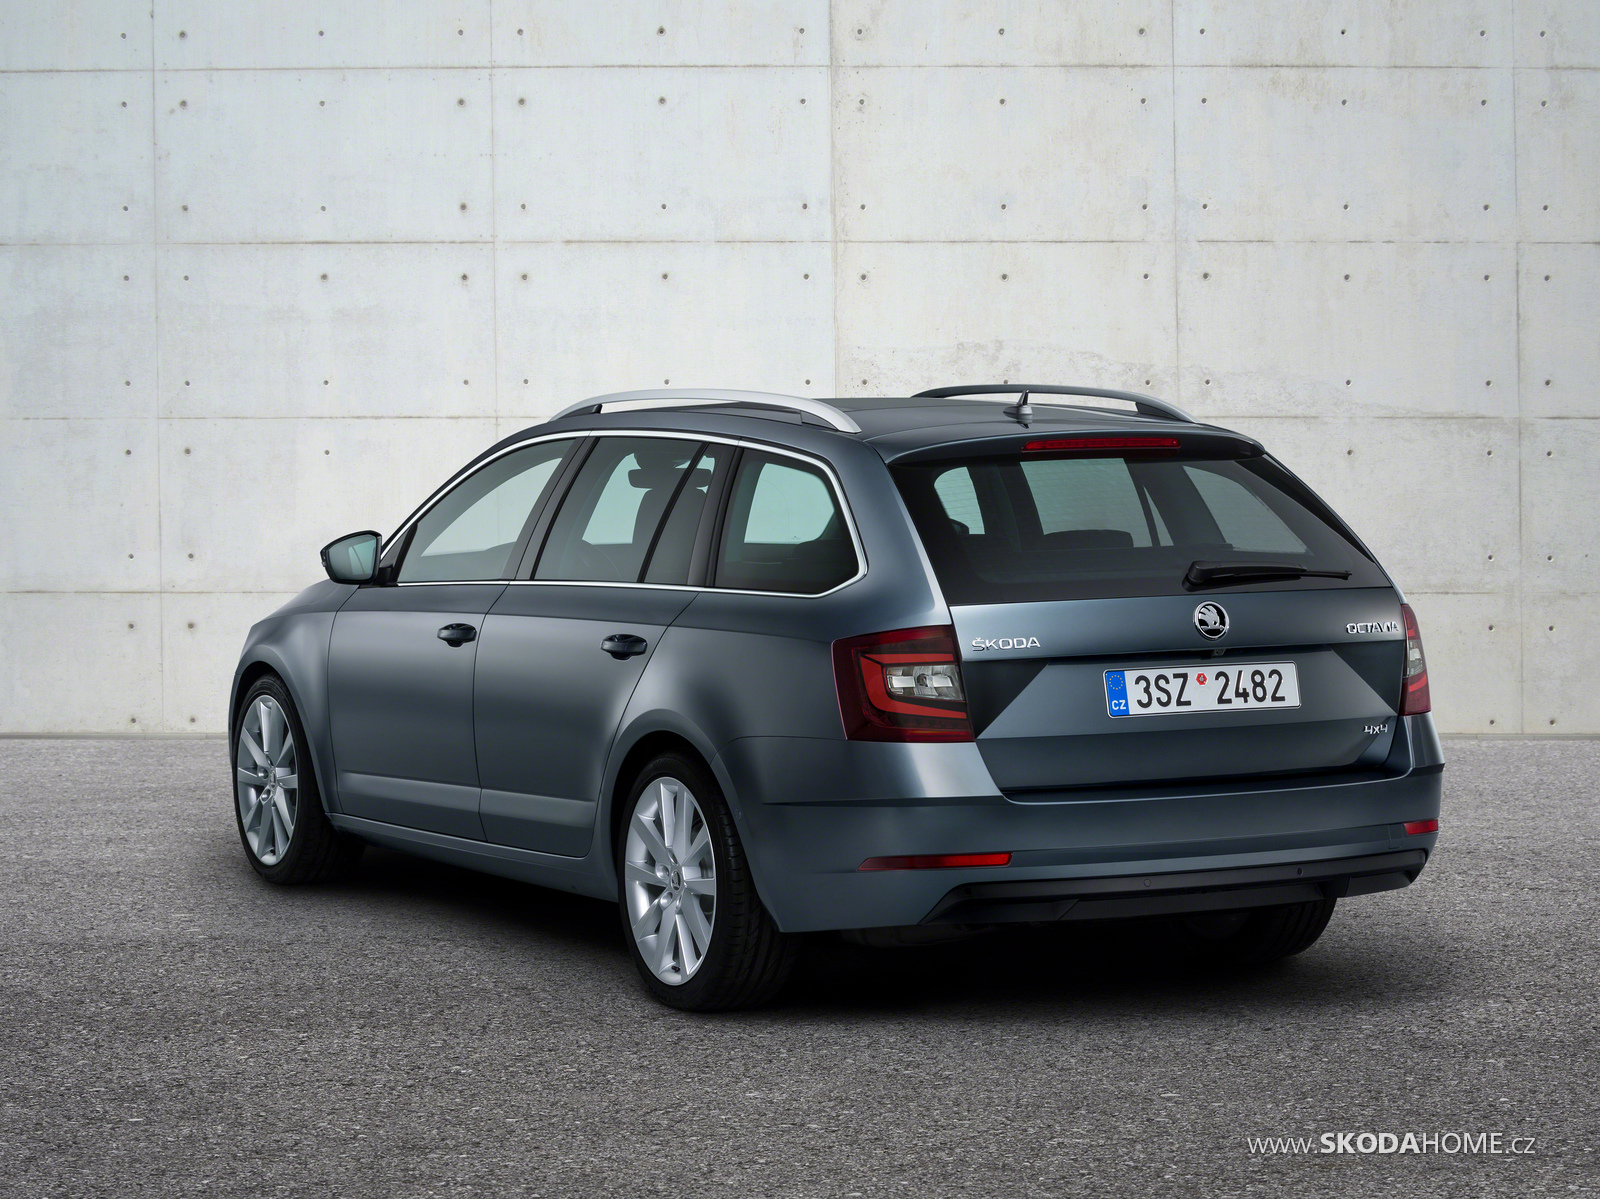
x,y
784,530
472,532
1246,522
960,499
610,515
669,562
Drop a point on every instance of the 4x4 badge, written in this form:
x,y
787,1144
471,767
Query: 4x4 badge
x,y
1211,619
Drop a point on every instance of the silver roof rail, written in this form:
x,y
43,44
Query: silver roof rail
x,y
1146,405
827,413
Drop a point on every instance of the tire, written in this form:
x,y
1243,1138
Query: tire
x,y
723,949
1256,935
285,832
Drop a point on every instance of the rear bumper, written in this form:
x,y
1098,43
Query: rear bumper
x,y
1163,894
812,811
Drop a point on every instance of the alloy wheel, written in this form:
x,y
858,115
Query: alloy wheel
x,y
670,880
266,770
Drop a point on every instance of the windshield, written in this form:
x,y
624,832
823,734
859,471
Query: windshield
x,y
1014,529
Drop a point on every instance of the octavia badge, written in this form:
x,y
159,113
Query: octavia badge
x,y
1211,620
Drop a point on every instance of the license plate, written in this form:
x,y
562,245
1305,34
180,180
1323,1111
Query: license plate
x,y
1168,690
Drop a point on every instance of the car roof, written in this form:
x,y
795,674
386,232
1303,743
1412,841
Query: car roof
x,y
894,426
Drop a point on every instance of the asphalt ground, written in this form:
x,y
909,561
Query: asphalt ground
x,y
172,1025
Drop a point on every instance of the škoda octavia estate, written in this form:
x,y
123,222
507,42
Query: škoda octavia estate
x,y
755,666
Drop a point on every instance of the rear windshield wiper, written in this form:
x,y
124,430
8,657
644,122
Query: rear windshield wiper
x,y
1223,574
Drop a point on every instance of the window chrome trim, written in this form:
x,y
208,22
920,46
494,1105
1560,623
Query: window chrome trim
x,y
699,438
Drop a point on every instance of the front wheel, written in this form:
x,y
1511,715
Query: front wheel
x,y
697,930
286,834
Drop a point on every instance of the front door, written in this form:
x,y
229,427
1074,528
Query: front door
x,y
401,657
562,653
401,702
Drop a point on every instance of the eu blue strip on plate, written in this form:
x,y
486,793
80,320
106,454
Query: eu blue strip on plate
x,y
1116,693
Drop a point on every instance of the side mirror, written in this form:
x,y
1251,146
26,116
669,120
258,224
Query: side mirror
x,y
352,559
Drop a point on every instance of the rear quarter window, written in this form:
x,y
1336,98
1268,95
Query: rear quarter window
x,y
784,530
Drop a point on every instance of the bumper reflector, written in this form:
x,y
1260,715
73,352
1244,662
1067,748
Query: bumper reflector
x,y
936,861
1413,827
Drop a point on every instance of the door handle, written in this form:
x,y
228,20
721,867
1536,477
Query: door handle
x,y
458,634
624,645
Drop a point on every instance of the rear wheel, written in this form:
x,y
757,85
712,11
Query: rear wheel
x,y
285,831
1255,935
698,932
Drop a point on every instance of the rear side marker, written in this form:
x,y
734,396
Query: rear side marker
x,y
936,861
1413,827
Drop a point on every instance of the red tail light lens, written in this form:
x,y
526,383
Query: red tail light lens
x,y
1101,443
936,861
1414,698
1413,827
901,686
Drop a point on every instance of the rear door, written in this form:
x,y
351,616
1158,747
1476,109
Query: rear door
x,y
1089,660
562,651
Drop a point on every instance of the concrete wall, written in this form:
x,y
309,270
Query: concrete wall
x,y
269,270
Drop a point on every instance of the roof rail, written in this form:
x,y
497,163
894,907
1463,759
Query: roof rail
x,y
1146,405
827,413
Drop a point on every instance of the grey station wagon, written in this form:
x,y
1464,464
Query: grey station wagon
x,y
756,666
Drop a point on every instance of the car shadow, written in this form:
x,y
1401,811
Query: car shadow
x,y
1117,968
393,879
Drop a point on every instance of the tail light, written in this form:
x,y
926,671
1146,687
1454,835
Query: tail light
x,y
1414,700
1413,828
901,686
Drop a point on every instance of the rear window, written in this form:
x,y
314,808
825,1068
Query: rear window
x,y
1008,530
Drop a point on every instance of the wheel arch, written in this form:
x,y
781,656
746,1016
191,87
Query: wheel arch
x,y
256,664
249,672
647,740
